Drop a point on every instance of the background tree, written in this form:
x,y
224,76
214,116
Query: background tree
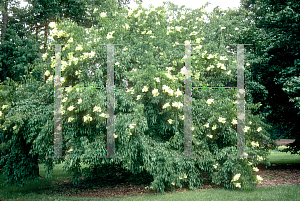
x,y
276,63
20,47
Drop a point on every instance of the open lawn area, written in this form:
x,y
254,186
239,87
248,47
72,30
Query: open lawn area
x,y
281,182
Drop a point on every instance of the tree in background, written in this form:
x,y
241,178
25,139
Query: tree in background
x,y
17,45
275,63
20,47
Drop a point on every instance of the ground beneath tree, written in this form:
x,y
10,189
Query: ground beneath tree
x,y
277,174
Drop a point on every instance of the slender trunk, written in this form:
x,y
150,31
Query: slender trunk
x,y
36,167
4,19
3,31
45,34
3,152
32,158
36,33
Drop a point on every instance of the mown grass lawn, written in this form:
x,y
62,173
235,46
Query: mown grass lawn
x,y
283,157
35,191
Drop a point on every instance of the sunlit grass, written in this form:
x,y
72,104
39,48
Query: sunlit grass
x,y
283,157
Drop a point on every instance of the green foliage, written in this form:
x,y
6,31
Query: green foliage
x,y
26,129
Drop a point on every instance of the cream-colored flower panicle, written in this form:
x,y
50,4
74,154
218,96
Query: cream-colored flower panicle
x,y
87,118
246,128
178,93
145,89
209,101
71,108
131,126
155,92
234,121
47,73
97,109
222,120
177,104
52,25
170,121
166,105
259,178
236,177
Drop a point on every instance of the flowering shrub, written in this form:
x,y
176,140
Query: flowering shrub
x,y
149,114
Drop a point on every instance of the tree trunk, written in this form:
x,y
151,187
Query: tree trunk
x,y
45,34
33,158
3,152
36,33
36,168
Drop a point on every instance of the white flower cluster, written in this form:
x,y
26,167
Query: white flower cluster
x,y
259,178
131,90
50,79
210,67
183,70
177,104
168,90
86,55
70,40
223,58
209,101
87,118
236,177
155,92
210,56
47,73
255,144
45,56
178,28
109,35
166,105
222,66
170,76
52,25
222,120
145,89
103,14
78,48
234,121
246,128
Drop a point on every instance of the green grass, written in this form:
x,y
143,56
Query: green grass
x,y
35,191
271,193
283,157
